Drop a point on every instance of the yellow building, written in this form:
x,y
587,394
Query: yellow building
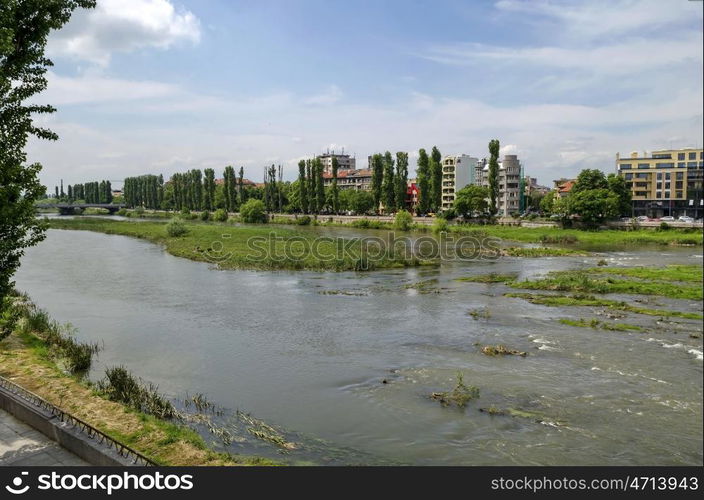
x,y
668,182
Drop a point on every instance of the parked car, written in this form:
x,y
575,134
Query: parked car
x,y
625,219
667,218
642,218
684,218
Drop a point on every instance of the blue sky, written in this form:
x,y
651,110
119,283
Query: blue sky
x,y
160,86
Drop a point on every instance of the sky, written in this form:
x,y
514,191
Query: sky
x,y
162,86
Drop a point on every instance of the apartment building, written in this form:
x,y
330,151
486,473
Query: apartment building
x,y
350,179
510,171
668,182
344,161
458,171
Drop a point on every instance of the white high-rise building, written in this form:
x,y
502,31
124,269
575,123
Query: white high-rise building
x,y
458,171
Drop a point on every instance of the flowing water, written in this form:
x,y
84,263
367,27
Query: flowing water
x,y
345,362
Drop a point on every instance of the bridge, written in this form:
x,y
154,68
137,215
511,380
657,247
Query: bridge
x,y
69,208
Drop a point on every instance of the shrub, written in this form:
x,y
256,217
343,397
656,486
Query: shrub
x,y
122,212
205,215
253,211
403,220
449,214
139,210
176,228
303,221
220,215
664,226
440,225
120,385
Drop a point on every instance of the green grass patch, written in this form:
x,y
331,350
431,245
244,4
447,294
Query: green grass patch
x,y
542,252
596,324
251,246
489,278
584,282
591,300
689,273
460,395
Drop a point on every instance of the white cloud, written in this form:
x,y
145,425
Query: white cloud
x,y
331,95
123,26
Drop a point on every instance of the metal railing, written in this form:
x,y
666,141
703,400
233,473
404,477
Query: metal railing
x,y
100,437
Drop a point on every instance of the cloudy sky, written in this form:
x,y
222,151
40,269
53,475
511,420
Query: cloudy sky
x,y
160,86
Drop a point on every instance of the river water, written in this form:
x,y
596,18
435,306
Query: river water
x,y
309,353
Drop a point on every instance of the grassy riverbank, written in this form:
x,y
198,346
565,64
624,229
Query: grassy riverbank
x,y
29,360
248,246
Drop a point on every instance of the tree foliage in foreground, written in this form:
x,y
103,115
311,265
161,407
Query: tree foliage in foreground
x,y
24,28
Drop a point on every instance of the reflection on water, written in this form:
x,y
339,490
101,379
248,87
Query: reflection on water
x,y
293,349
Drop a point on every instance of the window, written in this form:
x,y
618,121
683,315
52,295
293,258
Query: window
x,y
659,185
680,176
667,194
644,165
680,156
680,165
662,156
658,194
664,165
692,156
659,175
678,194
691,164
625,166
667,175
678,185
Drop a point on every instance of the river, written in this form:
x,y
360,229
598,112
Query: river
x,y
314,363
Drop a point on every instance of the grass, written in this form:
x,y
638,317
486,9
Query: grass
x,y
596,324
232,247
460,395
542,252
27,359
591,300
689,273
607,238
489,278
584,281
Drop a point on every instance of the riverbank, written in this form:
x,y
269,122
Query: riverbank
x,y
258,247
27,359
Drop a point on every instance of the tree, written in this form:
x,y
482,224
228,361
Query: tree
x,y
401,179
594,205
424,196
319,186
388,187
334,190
377,178
24,28
617,185
230,189
253,211
589,179
302,187
435,172
493,175
471,200
361,202
209,191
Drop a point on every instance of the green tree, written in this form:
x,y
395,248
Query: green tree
x,y
435,171
334,190
24,28
302,187
319,186
388,187
401,179
589,179
209,190
403,220
494,147
253,211
230,189
377,178
594,205
617,185
361,202
471,200
424,195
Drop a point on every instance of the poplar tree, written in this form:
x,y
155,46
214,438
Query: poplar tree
x,y
209,189
493,176
302,187
436,179
334,190
424,195
388,187
401,179
377,179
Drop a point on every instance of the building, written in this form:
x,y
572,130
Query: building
x,y
344,162
350,179
245,182
668,182
412,195
563,187
458,171
510,172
